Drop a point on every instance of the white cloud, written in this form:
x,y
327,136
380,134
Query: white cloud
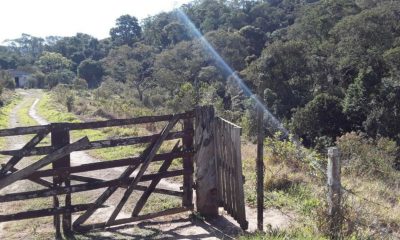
x,y
67,17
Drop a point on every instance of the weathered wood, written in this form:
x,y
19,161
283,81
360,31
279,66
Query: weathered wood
x,y
110,190
91,125
156,146
260,165
334,192
218,163
146,194
24,130
56,155
35,179
229,170
187,200
61,139
107,164
27,148
97,144
44,212
84,179
88,227
95,185
206,182
229,173
241,206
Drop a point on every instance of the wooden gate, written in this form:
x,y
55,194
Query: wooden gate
x,y
57,180
214,143
229,170
219,179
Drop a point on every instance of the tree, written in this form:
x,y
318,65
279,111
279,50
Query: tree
x,y
60,76
320,117
133,66
92,71
27,45
50,62
127,31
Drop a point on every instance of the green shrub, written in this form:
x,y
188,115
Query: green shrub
x,y
364,156
6,80
80,84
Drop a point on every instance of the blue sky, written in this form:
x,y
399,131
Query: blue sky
x,y
67,17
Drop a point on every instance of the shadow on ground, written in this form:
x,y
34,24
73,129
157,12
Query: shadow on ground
x,y
189,227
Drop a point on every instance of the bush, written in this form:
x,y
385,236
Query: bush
x,y
320,117
364,156
6,80
80,84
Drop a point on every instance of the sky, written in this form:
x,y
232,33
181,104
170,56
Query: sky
x,y
43,18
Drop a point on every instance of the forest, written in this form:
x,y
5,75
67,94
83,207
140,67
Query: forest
x,y
328,70
326,67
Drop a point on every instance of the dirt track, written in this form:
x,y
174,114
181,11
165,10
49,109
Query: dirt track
x,y
180,226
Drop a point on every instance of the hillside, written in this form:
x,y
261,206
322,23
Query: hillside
x,y
328,70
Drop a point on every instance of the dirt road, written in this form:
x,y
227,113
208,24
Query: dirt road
x,y
180,226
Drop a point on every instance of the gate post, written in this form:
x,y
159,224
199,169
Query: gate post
x,y
188,164
61,138
206,179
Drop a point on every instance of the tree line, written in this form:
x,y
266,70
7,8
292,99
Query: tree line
x,y
326,67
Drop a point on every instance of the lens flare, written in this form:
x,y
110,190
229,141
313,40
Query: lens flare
x,y
270,119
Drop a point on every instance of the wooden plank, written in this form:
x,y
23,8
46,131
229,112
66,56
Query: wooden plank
x,y
146,194
92,125
122,122
94,185
233,172
44,212
97,144
84,179
228,173
239,179
228,162
222,163
188,164
25,149
110,190
56,155
107,164
24,130
217,148
37,180
144,167
103,225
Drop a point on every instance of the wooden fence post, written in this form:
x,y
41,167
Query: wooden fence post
x,y
187,142
206,179
334,192
60,138
260,165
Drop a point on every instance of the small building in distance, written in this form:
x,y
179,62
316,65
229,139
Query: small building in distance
x,y
20,77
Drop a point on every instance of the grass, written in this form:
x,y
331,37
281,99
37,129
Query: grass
x,y
54,112
300,192
5,115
